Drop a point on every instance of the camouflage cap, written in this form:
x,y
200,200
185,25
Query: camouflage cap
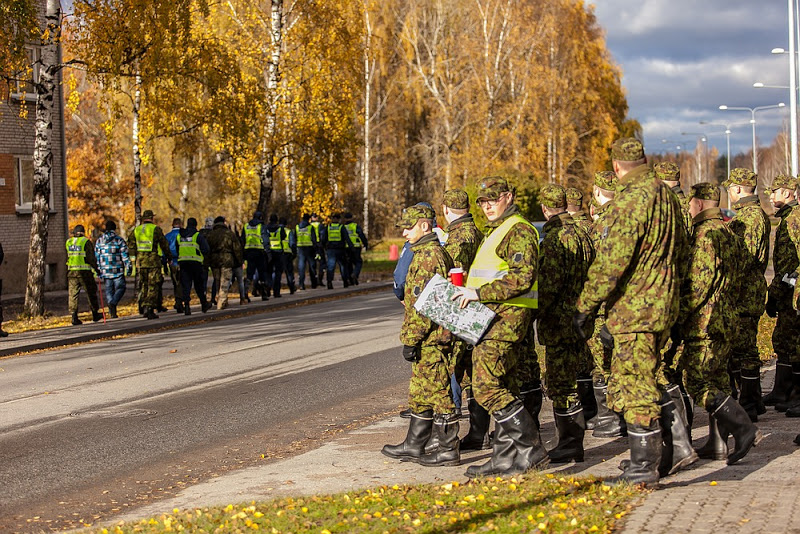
x,y
147,214
457,199
606,180
492,187
574,196
553,196
627,149
741,176
666,170
783,181
412,214
705,191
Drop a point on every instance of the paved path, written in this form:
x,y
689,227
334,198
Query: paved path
x,y
761,494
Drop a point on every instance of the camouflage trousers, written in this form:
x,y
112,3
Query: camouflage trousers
x,y
786,337
150,280
744,347
430,381
601,357
495,383
563,363
529,369
82,279
632,386
705,369
222,281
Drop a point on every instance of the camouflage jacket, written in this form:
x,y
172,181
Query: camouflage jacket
x,y
463,240
520,249
429,258
709,291
752,226
785,254
596,234
636,269
684,203
582,220
564,263
226,249
150,260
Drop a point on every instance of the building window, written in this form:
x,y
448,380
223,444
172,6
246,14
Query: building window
x,y
23,183
24,88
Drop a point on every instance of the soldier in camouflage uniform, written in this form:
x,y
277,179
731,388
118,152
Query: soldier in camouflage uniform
x,y
607,424
148,244
428,347
575,208
670,174
636,274
566,253
503,276
463,240
708,307
752,226
786,335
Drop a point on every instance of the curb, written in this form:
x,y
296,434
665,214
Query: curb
x,y
66,336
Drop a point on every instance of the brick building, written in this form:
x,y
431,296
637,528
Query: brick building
x,y
16,185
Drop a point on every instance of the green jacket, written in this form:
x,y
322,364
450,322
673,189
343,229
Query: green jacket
x,y
684,203
429,258
463,240
752,226
226,249
637,269
785,254
566,254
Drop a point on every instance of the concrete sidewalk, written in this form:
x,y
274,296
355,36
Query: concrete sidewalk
x,y
760,494
135,324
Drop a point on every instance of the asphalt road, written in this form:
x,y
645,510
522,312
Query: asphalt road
x,y
95,430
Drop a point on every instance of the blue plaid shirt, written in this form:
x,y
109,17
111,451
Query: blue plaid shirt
x,y
112,255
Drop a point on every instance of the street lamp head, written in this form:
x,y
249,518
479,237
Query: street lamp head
x,y
723,107
728,132
781,105
758,84
778,51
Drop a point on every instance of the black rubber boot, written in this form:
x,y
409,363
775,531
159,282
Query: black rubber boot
x,y
797,439
782,387
571,426
517,446
645,443
532,399
732,418
406,414
609,424
716,447
75,320
678,452
688,406
478,436
179,306
330,285
794,396
150,314
419,432
676,394
588,402
445,428
748,394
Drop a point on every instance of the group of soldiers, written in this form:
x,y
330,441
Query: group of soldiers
x,y
647,309
258,259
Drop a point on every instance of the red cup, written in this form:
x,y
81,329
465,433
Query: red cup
x,y
457,276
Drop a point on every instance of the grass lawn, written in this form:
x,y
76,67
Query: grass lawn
x,y
528,503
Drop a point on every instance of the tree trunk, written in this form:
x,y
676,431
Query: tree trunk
x,y
368,73
267,173
137,158
43,161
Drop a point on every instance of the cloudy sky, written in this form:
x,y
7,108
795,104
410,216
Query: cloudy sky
x,y
682,59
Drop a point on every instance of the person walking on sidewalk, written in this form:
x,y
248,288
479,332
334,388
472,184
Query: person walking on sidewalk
x,y
503,277
320,260
192,249
174,268
277,236
147,243
337,244
427,346
359,241
289,246
81,261
114,264
306,237
256,242
226,252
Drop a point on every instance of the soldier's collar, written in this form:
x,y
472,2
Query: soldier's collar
x,y
427,238
513,209
578,215
562,219
677,190
786,208
707,215
747,201
461,220
633,175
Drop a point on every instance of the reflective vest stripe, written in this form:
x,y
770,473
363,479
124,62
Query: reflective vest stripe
x,y
275,240
304,236
354,239
76,254
252,237
188,249
285,242
488,266
334,233
144,237
315,225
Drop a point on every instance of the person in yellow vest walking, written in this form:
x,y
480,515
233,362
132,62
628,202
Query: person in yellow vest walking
x,y
81,261
503,276
192,250
358,240
337,242
320,260
148,244
306,239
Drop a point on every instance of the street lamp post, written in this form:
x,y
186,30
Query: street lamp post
x,y
753,122
727,127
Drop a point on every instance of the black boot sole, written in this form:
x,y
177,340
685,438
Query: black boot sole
x,y
735,457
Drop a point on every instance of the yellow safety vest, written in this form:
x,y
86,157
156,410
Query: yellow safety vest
x,y
188,249
488,266
144,237
275,240
334,233
304,236
252,237
354,239
285,242
316,229
76,254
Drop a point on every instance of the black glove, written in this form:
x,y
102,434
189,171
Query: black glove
x,y
606,338
772,307
579,321
411,353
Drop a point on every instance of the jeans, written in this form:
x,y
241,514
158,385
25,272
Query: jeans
x,y
238,275
305,256
337,256
114,289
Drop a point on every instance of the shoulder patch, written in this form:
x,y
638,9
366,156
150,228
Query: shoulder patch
x,y
517,257
416,291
